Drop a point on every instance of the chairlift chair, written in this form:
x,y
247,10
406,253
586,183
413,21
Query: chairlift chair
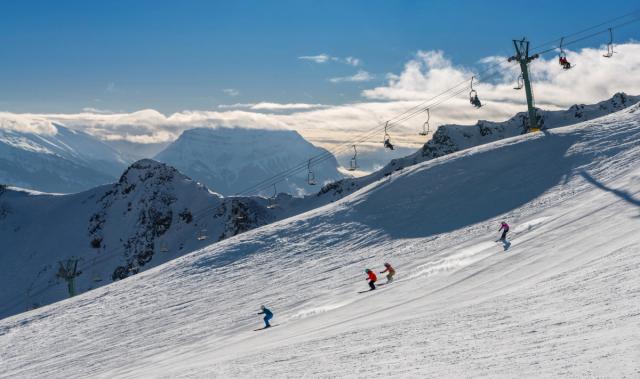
x,y
311,177
353,164
610,51
272,199
387,139
164,248
202,235
562,57
519,82
425,126
473,96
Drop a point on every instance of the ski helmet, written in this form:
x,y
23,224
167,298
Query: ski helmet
x,y
367,270
387,265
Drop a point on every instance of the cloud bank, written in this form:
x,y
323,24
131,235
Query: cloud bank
x,y
266,106
426,75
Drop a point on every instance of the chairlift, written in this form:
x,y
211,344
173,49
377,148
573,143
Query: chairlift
x,y
387,139
519,82
353,164
473,96
562,57
610,51
164,248
272,199
202,235
425,126
97,278
311,177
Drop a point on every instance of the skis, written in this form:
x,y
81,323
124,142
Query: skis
x,y
377,287
256,330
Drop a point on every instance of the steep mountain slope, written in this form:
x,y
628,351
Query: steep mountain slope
x,y
561,300
25,253
232,160
53,158
151,215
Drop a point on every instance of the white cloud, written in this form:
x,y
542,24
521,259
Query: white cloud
x,y
320,58
236,106
360,76
288,106
231,92
352,61
324,58
26,124
427,74
266,106
96,110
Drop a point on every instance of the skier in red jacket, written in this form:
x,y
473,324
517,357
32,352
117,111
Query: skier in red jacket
x,y
371,277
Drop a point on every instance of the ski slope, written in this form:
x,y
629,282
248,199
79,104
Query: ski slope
x,y
562,300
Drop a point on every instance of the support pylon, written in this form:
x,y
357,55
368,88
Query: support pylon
x,y
522,56
69,271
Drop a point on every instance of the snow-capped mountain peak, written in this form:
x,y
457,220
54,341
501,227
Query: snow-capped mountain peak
x,y
231,160
151,215
53,158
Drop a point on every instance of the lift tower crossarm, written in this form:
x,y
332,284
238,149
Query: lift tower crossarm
x,y
522,56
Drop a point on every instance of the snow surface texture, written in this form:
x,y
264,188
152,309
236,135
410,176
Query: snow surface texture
x,y
151,215
56,159
563,300
232,160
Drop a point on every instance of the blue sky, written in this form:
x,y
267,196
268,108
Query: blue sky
x,y
63,56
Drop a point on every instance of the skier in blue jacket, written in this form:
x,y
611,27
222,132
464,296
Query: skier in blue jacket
x,y
268,315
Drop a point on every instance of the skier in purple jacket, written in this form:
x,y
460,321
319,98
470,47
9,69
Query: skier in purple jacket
x,y
504,227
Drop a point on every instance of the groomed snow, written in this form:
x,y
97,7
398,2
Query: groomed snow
x,y
563,300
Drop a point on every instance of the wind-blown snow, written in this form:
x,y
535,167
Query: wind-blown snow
x,y
563,300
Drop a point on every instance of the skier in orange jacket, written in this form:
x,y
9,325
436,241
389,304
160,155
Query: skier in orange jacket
x,y
371,277
391,272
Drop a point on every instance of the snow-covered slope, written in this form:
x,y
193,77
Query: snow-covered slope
x,y
562,300
451,138
53,158
231,160
151,215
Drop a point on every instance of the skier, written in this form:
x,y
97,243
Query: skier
x,y
504,227
268,315
391,272
371,277
387,144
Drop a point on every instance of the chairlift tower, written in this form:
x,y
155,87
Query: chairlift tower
x,y
69,271
523,58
